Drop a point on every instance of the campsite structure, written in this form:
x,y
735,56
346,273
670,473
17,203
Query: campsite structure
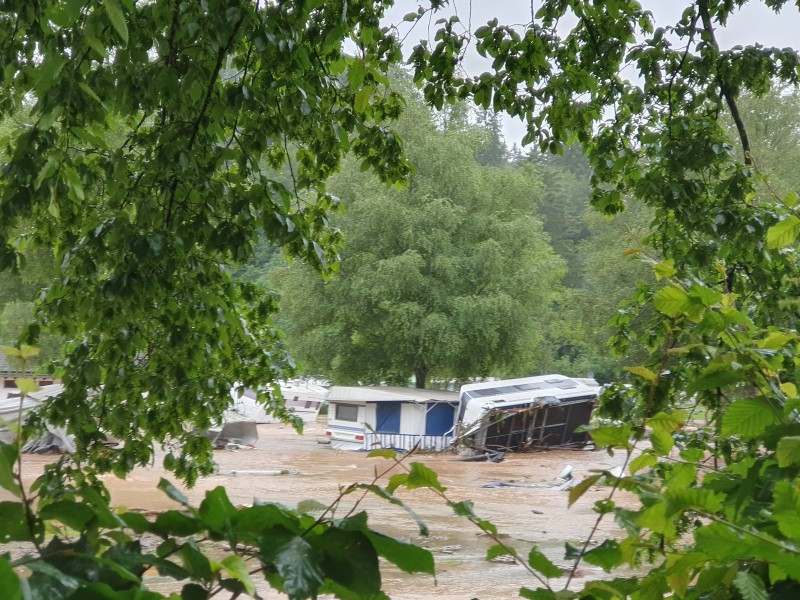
x,y
370,417
530,412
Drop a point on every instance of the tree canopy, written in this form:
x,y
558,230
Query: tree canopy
x,y
145,161
449,277
721,338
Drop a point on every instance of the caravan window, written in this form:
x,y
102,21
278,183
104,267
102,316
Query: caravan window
x,y
347,412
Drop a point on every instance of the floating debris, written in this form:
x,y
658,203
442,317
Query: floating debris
x,y
505,559
271,473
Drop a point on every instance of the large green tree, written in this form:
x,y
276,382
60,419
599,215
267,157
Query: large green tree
x,y
144,145
450,277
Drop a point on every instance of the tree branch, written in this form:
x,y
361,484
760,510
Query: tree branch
x,y
724,88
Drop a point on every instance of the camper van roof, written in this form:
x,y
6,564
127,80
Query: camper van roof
x,y
512,390
340,393
524,383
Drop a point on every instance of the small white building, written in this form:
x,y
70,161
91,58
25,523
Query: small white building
x,y
370,417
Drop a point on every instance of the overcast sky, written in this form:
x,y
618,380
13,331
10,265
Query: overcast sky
x,y
753,24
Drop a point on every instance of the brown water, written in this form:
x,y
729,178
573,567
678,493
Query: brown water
x,y
524,515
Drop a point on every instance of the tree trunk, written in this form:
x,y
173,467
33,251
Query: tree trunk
x,y
421,375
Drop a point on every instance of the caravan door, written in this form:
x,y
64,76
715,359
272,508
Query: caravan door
x,y
387,417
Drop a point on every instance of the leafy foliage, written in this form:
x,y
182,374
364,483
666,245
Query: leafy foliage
x,y
715,326
450,277
93,551
143,149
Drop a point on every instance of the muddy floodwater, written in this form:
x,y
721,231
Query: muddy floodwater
x,y
534,513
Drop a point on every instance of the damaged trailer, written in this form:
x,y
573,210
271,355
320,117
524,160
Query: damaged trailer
x,y
526,413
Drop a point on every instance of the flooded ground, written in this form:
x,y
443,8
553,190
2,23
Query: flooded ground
x,y
524,515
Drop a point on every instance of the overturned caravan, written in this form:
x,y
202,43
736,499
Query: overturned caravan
x,y
526,413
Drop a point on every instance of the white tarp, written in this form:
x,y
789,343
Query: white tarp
x,y
55,439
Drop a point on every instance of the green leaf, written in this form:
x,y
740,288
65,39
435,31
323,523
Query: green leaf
x,y
681,475
613,436
173,492
46,582
175,522
386,495
296,561
579,490
788,451
8,458
310,506
496,550
9,582
748,418
407,557
27,385
65,13
362,99
421,476
252,522
777,340
27,352
238,569
644,373
464,508
667,421
750,586
616,588
395,481
662,442
788,524
671,301
784,233
722,543
13,523
356,71
72,514
135,521
655,519
716,375
350,560
543,565
90,92
117,18
606,556
705,296
382,453
194,561
665,269
643,461
679,499
217,512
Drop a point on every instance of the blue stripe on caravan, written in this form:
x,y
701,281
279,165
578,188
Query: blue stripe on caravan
x,y
345,428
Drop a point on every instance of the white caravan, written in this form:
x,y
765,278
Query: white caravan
x,y
528,412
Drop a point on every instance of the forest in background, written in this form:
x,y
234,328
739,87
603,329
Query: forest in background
x,y
491,262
